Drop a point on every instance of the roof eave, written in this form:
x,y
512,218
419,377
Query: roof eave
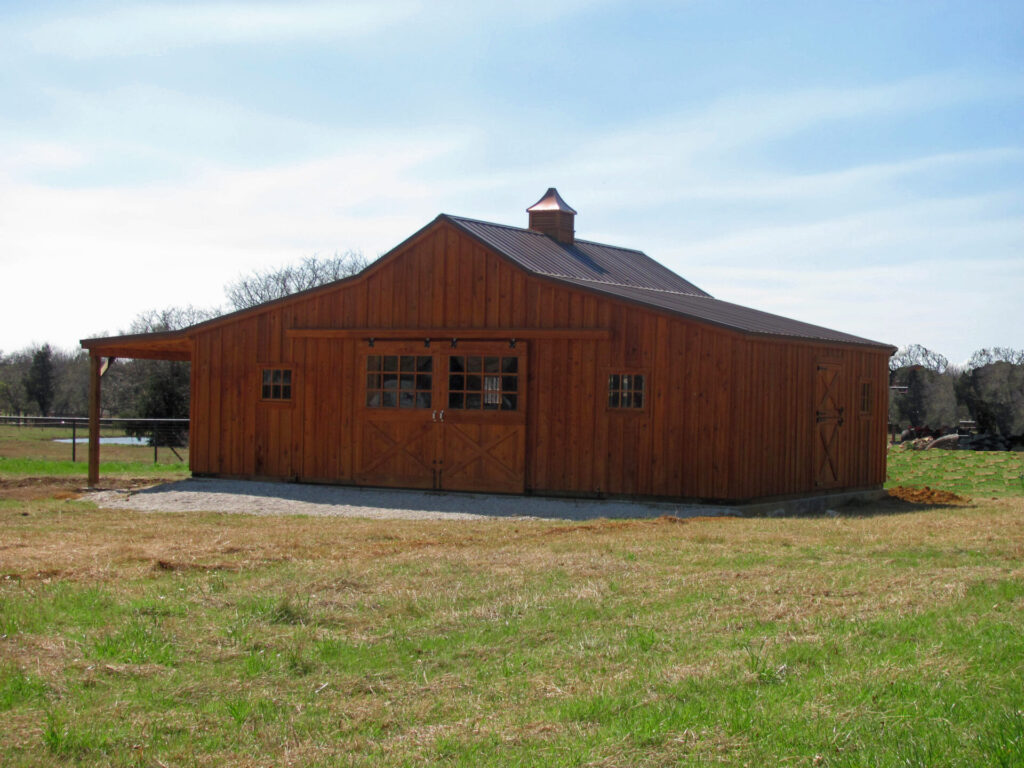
x,y
853,342
161,345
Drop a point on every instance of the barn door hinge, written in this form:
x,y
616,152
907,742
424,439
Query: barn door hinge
x,y
830,416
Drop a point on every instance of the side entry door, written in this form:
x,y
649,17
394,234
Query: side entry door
x,y
829,418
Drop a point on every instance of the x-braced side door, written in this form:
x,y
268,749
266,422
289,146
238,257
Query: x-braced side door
x,y
828,423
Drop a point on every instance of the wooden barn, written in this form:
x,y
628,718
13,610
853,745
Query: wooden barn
x,y
485,357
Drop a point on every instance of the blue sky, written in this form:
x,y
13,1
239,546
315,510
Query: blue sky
x,y
859,165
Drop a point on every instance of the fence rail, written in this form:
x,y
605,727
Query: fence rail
x,y
170,434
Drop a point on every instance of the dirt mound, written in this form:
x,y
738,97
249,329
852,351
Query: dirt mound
x,y
925,495
38,488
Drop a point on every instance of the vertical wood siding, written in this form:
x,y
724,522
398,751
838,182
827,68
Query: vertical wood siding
x,y
728,416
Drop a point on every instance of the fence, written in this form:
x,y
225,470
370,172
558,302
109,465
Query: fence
x,y
169,434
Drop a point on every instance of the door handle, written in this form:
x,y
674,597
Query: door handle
x,y
433,415
442,414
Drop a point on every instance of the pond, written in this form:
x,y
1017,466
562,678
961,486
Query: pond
x,y
106,440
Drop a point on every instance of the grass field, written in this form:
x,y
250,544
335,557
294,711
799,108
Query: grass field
x,y
891,638
974,473
33,451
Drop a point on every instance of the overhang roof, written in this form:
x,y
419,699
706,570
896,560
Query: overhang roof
x,y
165,345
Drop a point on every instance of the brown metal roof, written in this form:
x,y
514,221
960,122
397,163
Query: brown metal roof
x,y
581,259
623,273
722,313
634,276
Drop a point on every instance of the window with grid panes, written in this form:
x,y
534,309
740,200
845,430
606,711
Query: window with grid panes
x,y
483,382
277,384
866,398
399,381
626,390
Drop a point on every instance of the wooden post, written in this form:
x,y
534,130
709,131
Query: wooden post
x,y
94,420
74,441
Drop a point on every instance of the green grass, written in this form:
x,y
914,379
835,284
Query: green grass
x,y
894,639
49,468
40,443
971,473
31,452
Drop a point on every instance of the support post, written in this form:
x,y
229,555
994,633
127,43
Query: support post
x,y
74,441
94,420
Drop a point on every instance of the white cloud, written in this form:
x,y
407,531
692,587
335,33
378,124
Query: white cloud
x,y
929,228
31,156
102,255
947,305
712,130
149,28
759,186
870,249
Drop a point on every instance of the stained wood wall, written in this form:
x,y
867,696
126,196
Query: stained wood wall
x,y
729,416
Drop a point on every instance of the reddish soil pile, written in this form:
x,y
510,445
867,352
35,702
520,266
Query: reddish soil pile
x,y
925,495
38,488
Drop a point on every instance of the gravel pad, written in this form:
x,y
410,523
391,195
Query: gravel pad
x,y
259,498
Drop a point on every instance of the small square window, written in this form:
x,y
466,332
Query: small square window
x,y
626,391
276,384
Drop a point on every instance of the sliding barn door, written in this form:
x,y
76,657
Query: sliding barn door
x,y
443,418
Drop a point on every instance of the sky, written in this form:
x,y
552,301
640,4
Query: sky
x,y
856,165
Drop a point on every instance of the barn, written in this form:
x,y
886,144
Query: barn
x,y
483,357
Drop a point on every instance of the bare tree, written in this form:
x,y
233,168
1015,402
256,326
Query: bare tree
x,y
13,369
71,372
171,318
262,286
915,355
991,355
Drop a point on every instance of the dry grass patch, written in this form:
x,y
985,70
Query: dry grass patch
x,y
203,638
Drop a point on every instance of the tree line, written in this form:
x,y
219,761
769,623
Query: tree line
x,y
48,381
927,393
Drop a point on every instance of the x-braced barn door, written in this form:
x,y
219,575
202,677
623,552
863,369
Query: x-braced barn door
x,y
396,443
483,434
443,417
828,425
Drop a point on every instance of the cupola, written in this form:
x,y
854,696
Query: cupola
x,y
554,217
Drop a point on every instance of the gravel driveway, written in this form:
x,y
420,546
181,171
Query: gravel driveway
x,y
258,498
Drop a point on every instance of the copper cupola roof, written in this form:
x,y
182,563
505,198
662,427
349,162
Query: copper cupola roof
x,y
552,201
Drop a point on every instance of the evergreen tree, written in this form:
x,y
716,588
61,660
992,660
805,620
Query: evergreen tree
x,y
39,381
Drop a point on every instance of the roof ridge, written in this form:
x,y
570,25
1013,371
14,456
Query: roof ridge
x,y
540,234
